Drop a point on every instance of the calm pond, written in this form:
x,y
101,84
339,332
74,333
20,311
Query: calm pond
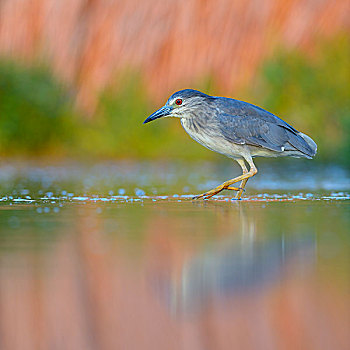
x,y
118,256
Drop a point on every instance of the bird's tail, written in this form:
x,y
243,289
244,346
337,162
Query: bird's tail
x,y
302,146
311,143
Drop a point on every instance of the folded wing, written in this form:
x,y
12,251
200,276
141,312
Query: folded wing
x,y
243,123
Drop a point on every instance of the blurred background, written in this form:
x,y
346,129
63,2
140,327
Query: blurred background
x,y
101,246
78,77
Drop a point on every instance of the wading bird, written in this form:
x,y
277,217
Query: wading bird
x,y
236,129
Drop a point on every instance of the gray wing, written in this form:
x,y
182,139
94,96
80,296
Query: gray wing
x,y
244,123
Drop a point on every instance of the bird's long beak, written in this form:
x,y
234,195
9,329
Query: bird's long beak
x,y
162,112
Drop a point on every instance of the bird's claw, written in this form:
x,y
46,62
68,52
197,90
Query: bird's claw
x,y
210,194
203,195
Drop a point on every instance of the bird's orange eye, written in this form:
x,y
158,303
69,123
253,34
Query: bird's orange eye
x,y
178,101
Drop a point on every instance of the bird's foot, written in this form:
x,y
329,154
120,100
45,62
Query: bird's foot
x,y
209,194
239,194
205,195
215,191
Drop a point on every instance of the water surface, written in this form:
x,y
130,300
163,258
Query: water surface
x,y
102,257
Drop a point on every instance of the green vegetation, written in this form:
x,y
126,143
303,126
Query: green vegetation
x,y
117,130
37,115
312,93
34,108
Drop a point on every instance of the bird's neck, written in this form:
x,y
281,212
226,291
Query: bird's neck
x,y
196,123
193,124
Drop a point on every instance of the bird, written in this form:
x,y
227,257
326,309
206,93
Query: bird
x,y
236,129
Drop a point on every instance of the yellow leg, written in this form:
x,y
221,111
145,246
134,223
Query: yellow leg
x,y
240,192
241,162
233,188
227,184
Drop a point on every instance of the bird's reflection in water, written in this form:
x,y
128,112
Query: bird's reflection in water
x,y
237,266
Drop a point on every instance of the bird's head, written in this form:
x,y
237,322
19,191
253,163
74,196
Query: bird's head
x,y
181,104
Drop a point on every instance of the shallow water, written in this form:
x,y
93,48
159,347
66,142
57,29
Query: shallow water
x,y
103,257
